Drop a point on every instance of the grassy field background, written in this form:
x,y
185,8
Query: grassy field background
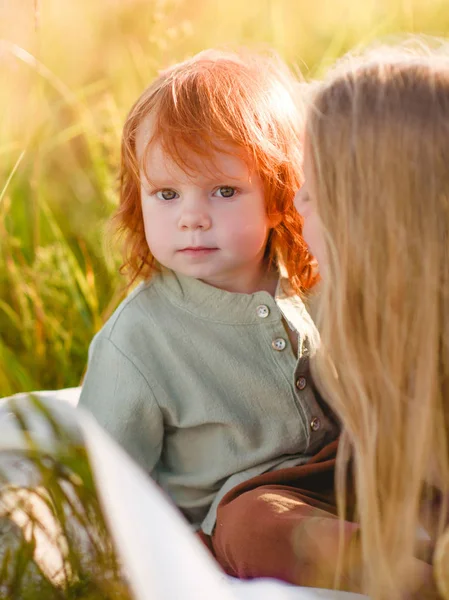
x,y
69,72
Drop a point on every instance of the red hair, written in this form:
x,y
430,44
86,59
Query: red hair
x,y
245,101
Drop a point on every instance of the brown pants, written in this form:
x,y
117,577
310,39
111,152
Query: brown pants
x,y
283,524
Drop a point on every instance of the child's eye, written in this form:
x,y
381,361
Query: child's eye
x,y
225,191
166,194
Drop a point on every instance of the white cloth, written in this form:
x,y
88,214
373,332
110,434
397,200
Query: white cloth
x,y
68,395
162,557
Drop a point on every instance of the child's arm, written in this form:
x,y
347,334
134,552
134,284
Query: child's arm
x,y
120,398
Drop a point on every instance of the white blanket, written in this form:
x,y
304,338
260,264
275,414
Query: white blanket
x,y
163,559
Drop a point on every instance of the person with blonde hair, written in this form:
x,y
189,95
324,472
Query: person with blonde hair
x,y
376,212
375,205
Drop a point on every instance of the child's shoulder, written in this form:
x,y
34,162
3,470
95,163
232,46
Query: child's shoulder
x,y
133,314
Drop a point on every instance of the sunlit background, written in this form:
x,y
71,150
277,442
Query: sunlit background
x,y
70,69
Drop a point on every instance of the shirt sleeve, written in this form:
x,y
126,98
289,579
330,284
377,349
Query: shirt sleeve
x,y
120,398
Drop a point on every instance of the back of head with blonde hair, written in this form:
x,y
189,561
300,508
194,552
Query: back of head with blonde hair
x,y
242,101
378,141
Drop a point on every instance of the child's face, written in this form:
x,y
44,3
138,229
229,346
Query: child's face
x,y
210,224
306,205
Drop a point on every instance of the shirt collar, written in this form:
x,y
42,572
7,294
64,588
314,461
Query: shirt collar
x,y
211,303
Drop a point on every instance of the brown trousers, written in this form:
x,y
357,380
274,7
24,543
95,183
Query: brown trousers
x,y
283,524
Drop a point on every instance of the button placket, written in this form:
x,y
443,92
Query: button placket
x,y
301,383
279,344
275,325
305,398
315,424
262,311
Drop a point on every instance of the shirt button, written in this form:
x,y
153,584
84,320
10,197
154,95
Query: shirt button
x,y
301,383
263,311
315,424
279,344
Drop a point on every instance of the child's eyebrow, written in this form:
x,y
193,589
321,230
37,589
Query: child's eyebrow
x,y
159,183
221,177
200,180
217,176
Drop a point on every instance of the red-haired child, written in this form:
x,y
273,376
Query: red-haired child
x,y
202,372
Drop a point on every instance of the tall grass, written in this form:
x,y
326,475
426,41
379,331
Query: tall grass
x,y
69,72
55,543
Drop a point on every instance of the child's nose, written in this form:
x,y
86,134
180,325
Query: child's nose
x,y
194,215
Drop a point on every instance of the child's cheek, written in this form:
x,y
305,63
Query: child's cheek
x,y
158,231
249,236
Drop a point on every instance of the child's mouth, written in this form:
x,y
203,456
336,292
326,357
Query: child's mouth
x,y
197,250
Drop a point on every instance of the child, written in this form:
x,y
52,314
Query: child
x,y
376,215
202,373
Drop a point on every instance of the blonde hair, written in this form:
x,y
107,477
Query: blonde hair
x,y
378,140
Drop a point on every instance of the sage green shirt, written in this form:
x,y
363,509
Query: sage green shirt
x,y
201,386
